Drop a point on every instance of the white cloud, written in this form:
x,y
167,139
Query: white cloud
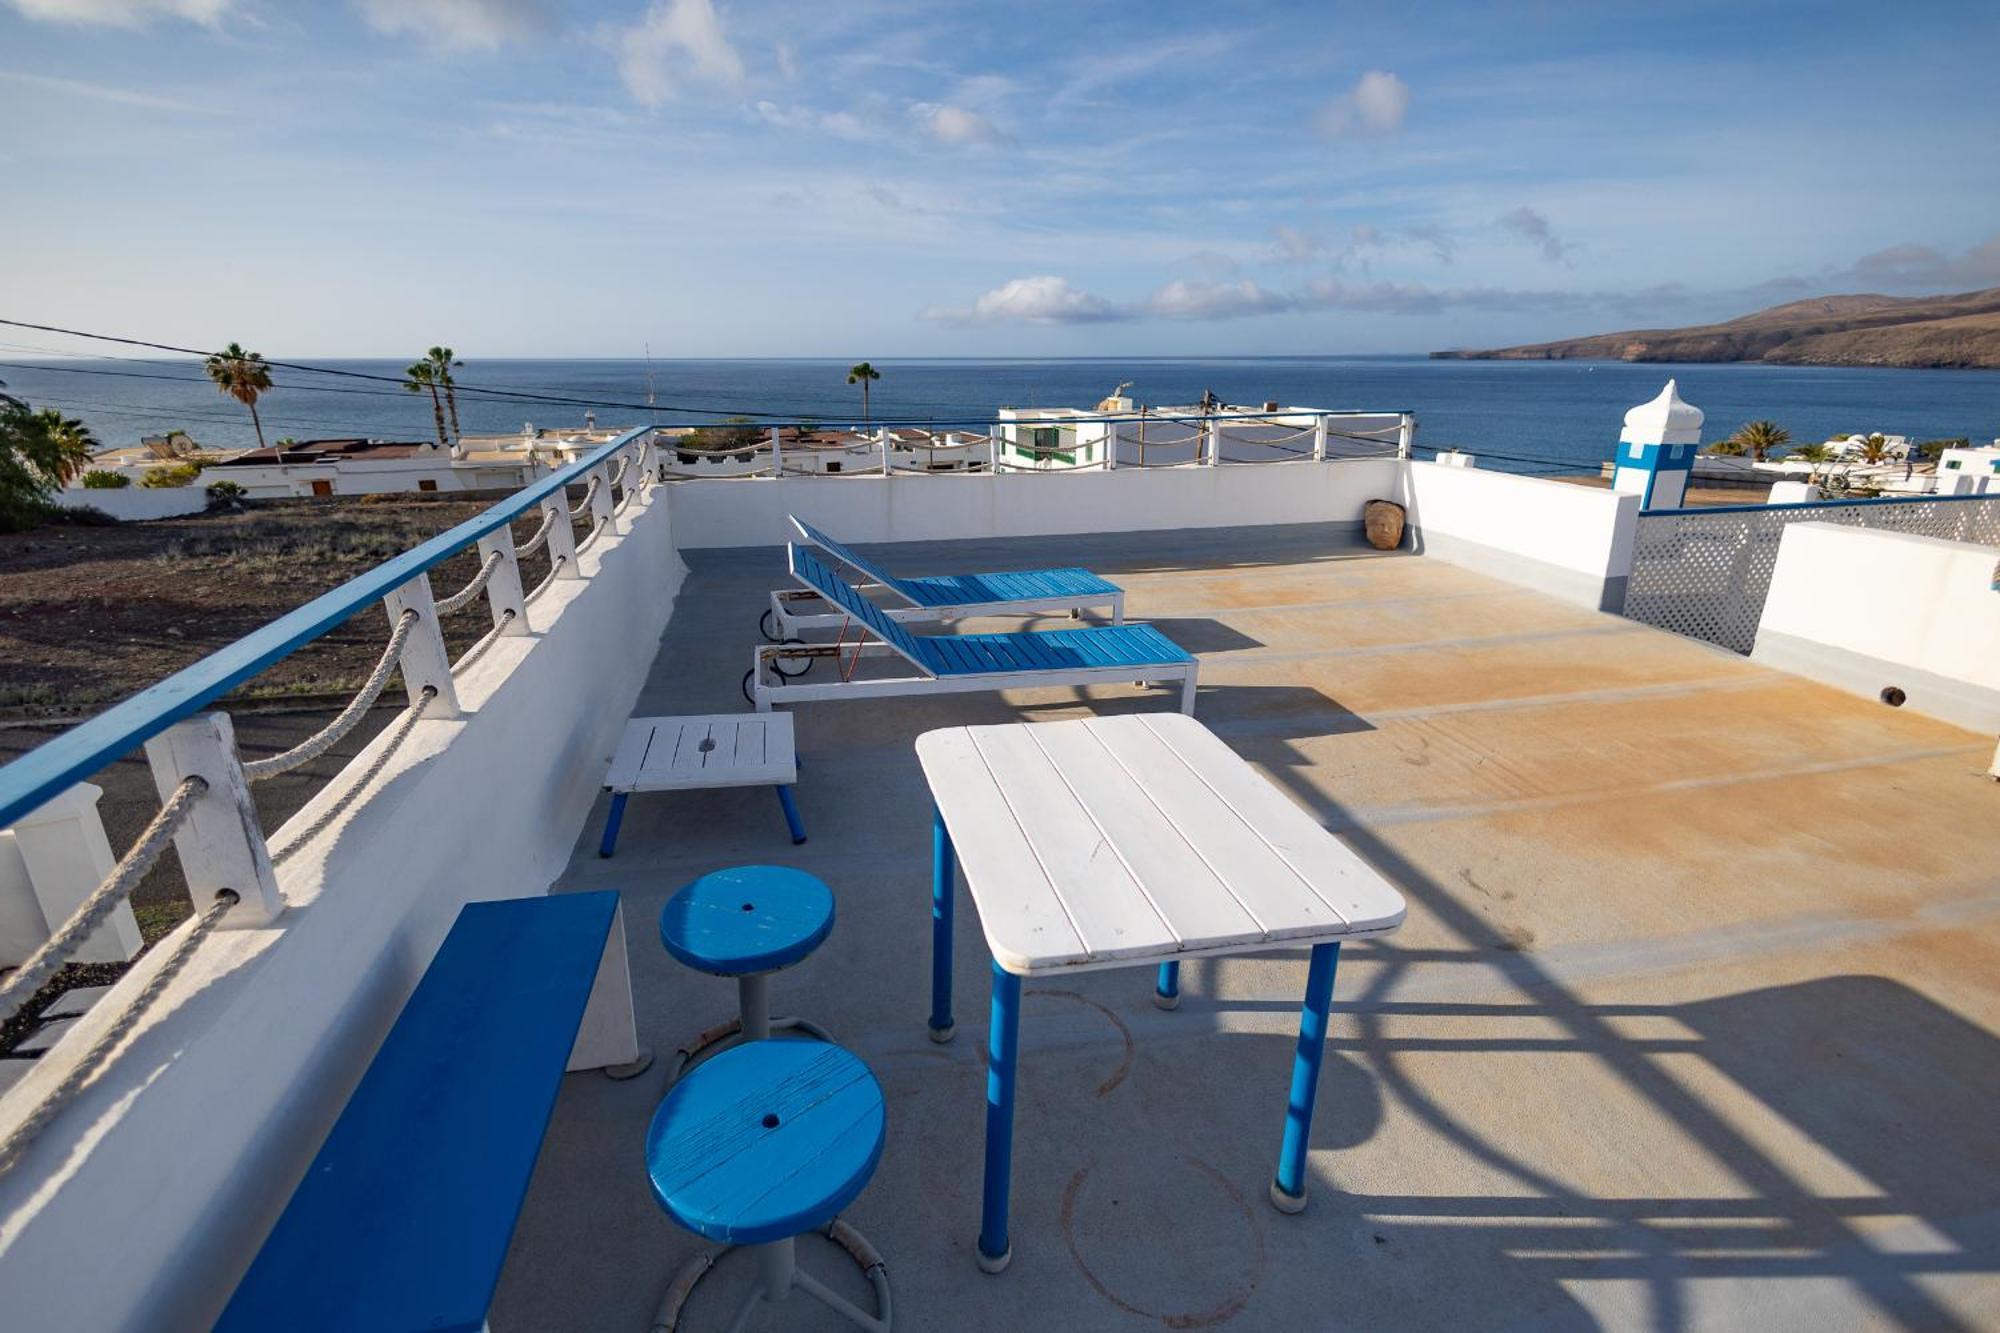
x,y
1536,229
102,93
678,42
457,24
1376,104
840,124
1925,267
1289,245
1186,298
124,13
956,126
1039,300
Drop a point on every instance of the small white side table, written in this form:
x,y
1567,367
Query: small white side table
x,y
715,750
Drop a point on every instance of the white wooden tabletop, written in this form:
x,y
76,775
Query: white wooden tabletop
x,y
719,750
1116,841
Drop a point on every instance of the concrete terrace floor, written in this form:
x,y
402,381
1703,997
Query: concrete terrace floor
x,y
1692,1023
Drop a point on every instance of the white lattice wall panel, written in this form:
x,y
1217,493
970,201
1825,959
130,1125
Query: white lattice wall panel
x,y
1705,573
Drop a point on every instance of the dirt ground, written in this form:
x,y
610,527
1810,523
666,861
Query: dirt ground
x,y
92,615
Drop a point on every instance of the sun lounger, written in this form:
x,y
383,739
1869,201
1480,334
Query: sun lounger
x,y
945,597
1106,654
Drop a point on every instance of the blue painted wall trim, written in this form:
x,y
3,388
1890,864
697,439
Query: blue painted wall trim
x,y
43,773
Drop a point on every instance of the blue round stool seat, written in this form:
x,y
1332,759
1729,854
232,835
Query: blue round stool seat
x,y
766,1140
747,919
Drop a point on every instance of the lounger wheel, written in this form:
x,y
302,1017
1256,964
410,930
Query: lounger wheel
x,y
748,694
778,663
767,625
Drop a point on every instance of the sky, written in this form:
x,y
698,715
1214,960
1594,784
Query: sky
x,y
898,178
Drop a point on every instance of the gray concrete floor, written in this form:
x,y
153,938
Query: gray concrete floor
x,y
1691,1025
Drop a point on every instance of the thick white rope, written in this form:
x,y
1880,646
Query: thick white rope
x,y
555,567
92,1060
461,599
584,503
311,748
43,963
487,641
333,811
534,543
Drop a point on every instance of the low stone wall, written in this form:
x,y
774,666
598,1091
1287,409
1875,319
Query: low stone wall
x,y
137,504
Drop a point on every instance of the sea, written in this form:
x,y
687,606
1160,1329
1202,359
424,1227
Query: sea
x,y
1521,416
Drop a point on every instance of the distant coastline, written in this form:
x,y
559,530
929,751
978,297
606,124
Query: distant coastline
x,y
1960,332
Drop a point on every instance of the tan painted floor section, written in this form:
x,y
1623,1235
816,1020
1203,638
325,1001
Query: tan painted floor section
x,y
1692,1024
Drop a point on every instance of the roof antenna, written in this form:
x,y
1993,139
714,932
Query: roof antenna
x,y
650,407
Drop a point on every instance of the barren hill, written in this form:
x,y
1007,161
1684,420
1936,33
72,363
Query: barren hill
x,y
1867,330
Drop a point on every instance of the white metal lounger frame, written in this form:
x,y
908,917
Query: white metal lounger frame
x,y
787,622
764,692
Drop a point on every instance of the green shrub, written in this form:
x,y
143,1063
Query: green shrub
x,y
97,479
171,474
225,494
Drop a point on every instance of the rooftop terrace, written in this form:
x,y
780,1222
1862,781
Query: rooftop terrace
x,y
1691,1023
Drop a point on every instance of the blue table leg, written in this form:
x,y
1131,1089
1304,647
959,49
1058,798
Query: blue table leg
x,y
1288,1189
792,815
1167,990
944,875
611,823
1002,1042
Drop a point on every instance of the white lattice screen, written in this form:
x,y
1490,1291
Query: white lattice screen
x,y
1705,572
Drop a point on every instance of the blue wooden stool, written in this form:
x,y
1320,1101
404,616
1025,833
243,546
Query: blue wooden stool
x,y
760,1145
746,922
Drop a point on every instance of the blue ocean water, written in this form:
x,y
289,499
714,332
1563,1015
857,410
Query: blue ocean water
x,y
1525,416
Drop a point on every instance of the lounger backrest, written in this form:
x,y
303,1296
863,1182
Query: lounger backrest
x,y
812,571
841,552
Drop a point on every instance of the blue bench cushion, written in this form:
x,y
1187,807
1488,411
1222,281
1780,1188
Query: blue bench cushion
x,y
747,919
1121,646
966,589
766,1140
1104,646
1028,585
403,1219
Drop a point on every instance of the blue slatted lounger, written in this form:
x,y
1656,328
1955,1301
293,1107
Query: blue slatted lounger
x,y
944,597
969,662
403,1219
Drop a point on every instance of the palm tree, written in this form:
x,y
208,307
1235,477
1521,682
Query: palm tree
x,y
1760,439
39,452
69,444
242,375
443,362
861,374
1874,450
422,376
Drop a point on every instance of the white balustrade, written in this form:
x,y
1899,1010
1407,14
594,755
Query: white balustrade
x,y
425,663
220,843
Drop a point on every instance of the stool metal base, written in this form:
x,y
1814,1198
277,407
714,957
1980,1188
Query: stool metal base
x,y
638,1066
778,1273
724,1035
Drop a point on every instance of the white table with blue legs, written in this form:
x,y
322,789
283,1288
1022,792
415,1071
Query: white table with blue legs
x,y
1131,841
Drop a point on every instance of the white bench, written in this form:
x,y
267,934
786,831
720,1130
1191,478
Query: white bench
x,y
714,750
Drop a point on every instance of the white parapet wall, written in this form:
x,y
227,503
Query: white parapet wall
x,y
137,504
945,506
142,1204
1888,616
1569,541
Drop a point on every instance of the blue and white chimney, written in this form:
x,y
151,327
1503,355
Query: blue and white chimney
x,y
1656,450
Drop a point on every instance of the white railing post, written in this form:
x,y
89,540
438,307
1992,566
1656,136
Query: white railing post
x,y
424,660
993,450
885,451
1406,434
562,536
1319,439
777,454
602,515
220,843
1110,445
503,586
1213,429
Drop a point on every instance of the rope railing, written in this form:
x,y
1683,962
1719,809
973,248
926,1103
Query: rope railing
x,y
584,504
22,984
486,641
334,809
534,543
461,599
93,1059
317,744
548,579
